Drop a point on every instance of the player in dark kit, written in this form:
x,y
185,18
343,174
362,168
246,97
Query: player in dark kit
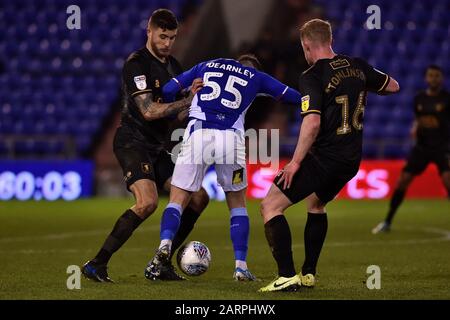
x,y
141,140
431,130
328,151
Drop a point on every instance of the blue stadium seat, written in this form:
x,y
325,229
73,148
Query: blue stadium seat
x,y
6,124
25,147
3,150
419,37
393,151
64,76
370,150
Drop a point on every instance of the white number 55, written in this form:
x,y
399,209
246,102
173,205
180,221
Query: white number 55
x,y
229,87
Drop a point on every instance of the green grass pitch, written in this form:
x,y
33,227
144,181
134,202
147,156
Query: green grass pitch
x,y
39,240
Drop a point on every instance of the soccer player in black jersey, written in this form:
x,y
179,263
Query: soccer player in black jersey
x,y
431,131
328,151
141,142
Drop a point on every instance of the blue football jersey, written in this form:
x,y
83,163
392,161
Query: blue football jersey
x,y
229,90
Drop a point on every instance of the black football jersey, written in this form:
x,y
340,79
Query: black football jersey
x,y
144,73
337,90
433,117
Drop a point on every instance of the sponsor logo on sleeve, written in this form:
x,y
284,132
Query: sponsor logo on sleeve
x,y
141,84
305,103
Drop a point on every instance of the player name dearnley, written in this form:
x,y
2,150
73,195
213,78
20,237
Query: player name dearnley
x,y
232,68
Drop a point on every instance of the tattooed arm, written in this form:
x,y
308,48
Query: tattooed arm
x,y
151,110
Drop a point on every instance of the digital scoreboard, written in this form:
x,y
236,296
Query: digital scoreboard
x,y
45,180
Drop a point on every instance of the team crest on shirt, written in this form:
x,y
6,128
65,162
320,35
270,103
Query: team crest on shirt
x,y
145,168
141,82
157,84
305,103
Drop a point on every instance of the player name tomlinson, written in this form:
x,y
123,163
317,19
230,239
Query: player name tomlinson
x,y
343,74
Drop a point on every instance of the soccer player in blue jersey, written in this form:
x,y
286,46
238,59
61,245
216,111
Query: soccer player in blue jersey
x,y
215,135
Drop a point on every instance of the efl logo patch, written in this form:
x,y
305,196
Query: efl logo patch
x,y
145,168
238,176
305,103
141,84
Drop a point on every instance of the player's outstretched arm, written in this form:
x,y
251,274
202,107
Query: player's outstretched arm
x,y
153,110
279,91
291,96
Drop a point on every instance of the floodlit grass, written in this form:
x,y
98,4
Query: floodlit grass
x,y
39,240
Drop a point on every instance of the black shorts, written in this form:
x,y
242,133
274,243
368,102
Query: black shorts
x,y
315,177
420,158
141,161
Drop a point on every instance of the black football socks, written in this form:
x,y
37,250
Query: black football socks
x,y
278,236
121,232
188,220
314,237
396,200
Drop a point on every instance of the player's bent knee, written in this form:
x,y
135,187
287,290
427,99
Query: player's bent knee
x,y
199,200
145,208
316,209
314,204
404,181
236,199
268,211
266,207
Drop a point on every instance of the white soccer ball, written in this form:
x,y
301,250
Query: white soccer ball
x,y
194,258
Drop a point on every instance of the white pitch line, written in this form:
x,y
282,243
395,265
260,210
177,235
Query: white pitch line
x,y
444,237
97,232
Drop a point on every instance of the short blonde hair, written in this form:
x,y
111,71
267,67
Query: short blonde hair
x,y
317,30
